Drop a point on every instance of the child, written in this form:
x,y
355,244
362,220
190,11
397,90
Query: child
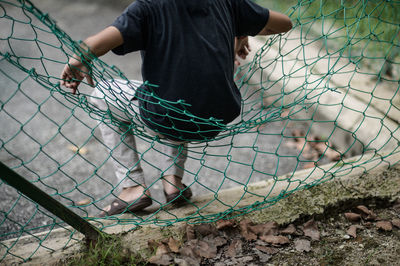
x,y
188,49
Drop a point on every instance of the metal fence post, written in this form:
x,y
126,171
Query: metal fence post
x,y
46,201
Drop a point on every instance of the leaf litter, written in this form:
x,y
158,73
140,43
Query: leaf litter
x,y
312,148
348,238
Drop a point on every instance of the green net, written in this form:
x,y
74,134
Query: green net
x,y
322,97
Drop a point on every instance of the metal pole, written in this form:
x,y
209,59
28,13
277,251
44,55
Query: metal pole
x,y
46,201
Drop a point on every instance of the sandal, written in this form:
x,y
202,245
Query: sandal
x,y
119,206
179,197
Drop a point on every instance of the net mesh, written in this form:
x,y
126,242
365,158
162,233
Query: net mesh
x,y
312,98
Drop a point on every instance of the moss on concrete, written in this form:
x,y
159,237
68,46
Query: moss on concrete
x,y
334,194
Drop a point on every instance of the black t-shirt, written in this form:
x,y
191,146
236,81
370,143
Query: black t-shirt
x,y
188,53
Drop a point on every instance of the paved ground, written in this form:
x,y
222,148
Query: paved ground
x,y
40,143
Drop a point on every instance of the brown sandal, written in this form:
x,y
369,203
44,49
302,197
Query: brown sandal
x,y
119,206
179,197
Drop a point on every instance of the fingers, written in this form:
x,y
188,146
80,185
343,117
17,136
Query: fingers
x,y
90,80
244,52
64,76
242,48
73,74
73,89
69,79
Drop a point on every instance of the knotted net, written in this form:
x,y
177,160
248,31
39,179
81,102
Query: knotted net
x,y
322,97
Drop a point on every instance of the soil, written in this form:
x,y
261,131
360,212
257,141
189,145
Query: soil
x,y
328,242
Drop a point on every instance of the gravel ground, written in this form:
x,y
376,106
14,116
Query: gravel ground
x,y
40,130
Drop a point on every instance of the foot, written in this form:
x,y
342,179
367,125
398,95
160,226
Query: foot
x,y
172,184
175,191
136,198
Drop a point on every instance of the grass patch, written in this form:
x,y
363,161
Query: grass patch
x,y
108,250
359,29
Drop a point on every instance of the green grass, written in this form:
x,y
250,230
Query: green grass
x,y
107,251
368,28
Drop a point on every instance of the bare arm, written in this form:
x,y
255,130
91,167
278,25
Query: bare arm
x,y
99,44
277,23
104,41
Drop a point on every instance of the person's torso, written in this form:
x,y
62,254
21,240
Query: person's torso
x,y
190,55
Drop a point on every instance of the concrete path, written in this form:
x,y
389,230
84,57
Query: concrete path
x,y
46,148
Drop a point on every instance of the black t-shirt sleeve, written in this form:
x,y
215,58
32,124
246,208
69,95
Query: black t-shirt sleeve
x,y
250,18
131,23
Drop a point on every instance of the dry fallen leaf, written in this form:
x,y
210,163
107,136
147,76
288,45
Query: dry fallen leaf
x,y
310,229
235,248
86,201
332,155
302,245
310,155
366,213
384,225
368,224
289,230
275,240
352,231
188,250
352,217
162,249
205,229
220,241
268,250
298,133
186,261
206,250
322,148
270,228
301,144
309,165
224,224
190,232
195,248
363,209
396,222
245,230
173,245
76,149
319,146
164,259
217,241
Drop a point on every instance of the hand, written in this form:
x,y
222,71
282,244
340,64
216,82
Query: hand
x,y
73,74
97,45
242,48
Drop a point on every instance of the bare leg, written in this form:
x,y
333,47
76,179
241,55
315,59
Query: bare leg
x,y
122,145
172,184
